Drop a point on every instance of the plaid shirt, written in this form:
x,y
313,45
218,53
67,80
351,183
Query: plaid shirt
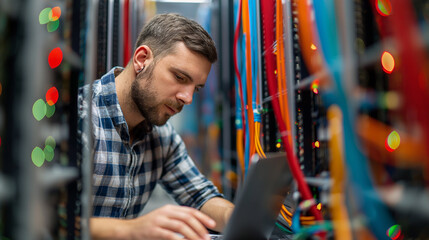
x,y
125,175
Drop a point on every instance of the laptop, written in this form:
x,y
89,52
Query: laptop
x,y
259,201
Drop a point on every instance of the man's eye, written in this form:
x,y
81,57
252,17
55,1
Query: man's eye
x,y
197,89
180,78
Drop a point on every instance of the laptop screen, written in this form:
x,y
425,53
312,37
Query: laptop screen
x,y
259,200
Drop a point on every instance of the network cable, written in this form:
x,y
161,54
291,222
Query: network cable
x,y
267,13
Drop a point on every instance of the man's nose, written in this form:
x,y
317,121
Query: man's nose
x,y
185,94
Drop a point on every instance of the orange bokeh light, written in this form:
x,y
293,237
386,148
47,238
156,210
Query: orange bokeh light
x,y
316,91
387,62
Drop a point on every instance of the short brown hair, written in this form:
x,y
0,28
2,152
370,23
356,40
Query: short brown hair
x,y
164,30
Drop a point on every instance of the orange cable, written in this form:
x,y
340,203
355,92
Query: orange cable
x,y
281,71
240,150
286,218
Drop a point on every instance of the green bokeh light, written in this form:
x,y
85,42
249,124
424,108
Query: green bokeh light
x,y
44,16
394,232
384,7
53,26
38,156
39,109
50,110
49,153
50,141
393,140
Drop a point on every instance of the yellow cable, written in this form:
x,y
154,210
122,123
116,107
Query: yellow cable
x,y
257,141
258,150
340,217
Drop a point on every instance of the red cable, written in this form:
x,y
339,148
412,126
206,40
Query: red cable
x,y
267,20
127,47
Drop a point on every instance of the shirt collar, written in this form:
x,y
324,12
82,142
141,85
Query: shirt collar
x,y
110,98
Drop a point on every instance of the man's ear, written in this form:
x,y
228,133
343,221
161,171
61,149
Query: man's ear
x,y
142,57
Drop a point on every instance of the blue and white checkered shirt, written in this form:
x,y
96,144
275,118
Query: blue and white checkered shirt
x,y
125,175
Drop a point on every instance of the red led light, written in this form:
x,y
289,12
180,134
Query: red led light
x,y
55,57
55,14
52,96
388,148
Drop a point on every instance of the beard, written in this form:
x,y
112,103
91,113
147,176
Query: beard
x,y
145,98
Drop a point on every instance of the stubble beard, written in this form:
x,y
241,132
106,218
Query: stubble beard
x,y
144,97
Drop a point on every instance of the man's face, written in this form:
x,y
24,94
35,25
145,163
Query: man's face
x,y
161,90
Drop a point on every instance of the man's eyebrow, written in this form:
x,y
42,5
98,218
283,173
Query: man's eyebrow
x,y
186,75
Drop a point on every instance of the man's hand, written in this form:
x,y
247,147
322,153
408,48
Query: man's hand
x,y
167,221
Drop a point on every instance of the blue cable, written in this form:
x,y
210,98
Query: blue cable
x,y
254,56
238,121
244,86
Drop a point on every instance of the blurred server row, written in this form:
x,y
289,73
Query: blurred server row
x,y
48,50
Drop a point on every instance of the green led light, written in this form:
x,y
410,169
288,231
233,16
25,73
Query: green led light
x,y
50,141
39,109
49,153
44,16
38,156
53,26
50,110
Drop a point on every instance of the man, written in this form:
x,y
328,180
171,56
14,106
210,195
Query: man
x,y
135,147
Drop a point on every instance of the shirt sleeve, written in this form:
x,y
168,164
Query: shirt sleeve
x,y
181,178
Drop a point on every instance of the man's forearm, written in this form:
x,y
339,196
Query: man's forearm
x,y
108,228
220,210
